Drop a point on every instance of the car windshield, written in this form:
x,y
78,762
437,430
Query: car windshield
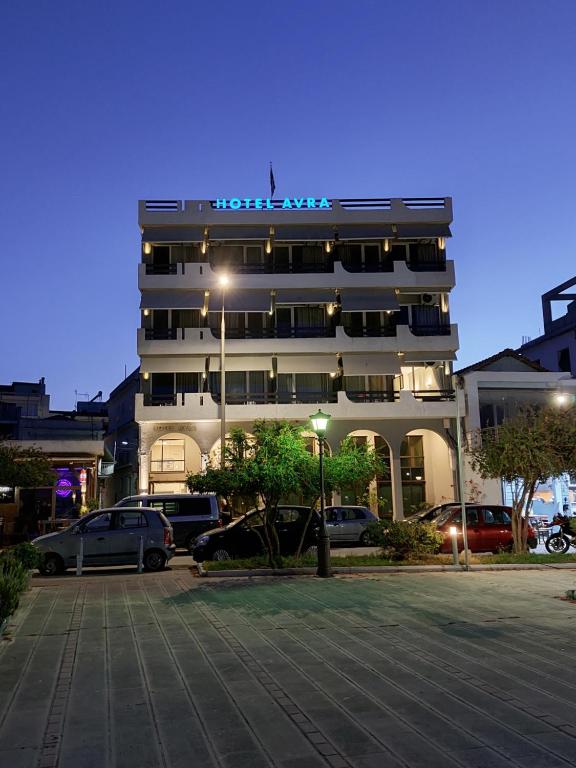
x,y
444,516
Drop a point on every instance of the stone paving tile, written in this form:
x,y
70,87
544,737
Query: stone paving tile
x,y
414,670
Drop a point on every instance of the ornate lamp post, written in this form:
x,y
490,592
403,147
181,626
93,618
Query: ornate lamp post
x,y
319,425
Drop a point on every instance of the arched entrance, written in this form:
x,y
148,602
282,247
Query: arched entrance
x,y
426,470
172,458
378,494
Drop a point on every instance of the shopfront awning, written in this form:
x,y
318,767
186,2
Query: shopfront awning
x,y
369,299
172,300
307,363
373,364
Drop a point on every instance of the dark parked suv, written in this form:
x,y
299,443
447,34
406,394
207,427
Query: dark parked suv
x,y
190,514
244,536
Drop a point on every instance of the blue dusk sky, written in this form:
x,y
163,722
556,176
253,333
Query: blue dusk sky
x,y
109,102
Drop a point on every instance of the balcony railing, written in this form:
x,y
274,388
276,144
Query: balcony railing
x,y
433,395
273,268
276,398
161,269
154,334
372,396
382,266
426,265
283,332
430,329
383,330
150,399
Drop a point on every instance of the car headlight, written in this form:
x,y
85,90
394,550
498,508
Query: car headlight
x,y
202,540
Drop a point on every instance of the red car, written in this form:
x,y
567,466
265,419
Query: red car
x,y
489,528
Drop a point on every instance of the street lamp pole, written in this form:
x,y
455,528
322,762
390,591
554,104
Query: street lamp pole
x,y
461,490
223,280
320,423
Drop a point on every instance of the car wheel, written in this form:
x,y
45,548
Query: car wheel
x,y
221,554
154,560
190,541
52,565
364,539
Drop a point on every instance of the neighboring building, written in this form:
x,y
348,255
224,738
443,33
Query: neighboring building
x,y
73,442
121,441
556,348
494,390
339,304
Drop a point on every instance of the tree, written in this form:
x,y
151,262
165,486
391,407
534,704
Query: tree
x,y
271,464
534,445
24,467
354,466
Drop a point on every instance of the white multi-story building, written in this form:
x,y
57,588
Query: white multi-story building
x,y
338,304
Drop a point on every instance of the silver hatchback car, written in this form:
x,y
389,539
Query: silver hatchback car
x,y
348,523
110,537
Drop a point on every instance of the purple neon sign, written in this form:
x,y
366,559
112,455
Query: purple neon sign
x,y
63,487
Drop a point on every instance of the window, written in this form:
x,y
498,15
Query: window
x,y
496,516
132,520
98,523
353,514
471,517
288,516
194,506
168,456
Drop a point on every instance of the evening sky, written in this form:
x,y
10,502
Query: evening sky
x,y
109,102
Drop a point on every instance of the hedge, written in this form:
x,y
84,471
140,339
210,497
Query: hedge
x,y
15,566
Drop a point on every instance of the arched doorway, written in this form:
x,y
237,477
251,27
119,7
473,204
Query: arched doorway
x,y
426,470
378,494
172,458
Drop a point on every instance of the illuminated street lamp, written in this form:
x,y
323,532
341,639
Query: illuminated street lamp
x,y
320,425
223,281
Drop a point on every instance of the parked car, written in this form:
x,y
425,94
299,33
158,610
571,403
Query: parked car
x,y
348,524
110,537
428,515
244,537
190,514
488,527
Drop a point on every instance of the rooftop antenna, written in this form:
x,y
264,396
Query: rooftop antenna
x,y
78,395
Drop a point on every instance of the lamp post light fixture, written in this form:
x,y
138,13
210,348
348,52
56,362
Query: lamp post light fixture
x,y
460,461
320,425
223,281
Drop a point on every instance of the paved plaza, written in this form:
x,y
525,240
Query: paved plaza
x,y
430,669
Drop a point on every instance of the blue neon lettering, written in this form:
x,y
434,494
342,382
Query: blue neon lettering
x,y
311,202
247,201
269,203
221,203
324,203
258,203
298,202
286,203
235,203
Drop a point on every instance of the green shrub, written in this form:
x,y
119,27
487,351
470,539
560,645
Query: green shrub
x,y
402,541
25,553
13,581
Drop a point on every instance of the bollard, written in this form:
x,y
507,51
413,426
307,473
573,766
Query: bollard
x,y
141,555
80,557
454,536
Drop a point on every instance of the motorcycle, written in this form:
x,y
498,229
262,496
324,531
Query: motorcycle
x,y
559,543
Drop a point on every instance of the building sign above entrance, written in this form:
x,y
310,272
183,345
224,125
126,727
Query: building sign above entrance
x,y
266,203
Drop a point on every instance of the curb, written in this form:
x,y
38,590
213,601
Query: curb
x,y
391,569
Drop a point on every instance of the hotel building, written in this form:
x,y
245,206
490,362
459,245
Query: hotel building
x,y
337,304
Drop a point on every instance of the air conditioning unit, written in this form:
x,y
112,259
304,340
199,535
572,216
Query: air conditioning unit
x,y
427,299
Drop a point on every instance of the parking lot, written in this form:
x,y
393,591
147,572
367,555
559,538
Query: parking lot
x,y
434,669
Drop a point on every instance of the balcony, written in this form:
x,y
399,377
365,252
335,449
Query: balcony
x,y
433,329
201,406
201,277
311,340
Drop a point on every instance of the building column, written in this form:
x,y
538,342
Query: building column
x,y
396,478
143,473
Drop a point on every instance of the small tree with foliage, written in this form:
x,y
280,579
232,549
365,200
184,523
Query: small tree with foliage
x,y
271,464
534,445
24,467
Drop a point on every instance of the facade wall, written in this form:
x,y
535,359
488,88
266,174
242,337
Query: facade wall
x,y
344,308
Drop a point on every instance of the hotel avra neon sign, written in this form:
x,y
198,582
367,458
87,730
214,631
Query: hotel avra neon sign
x,y
263,203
